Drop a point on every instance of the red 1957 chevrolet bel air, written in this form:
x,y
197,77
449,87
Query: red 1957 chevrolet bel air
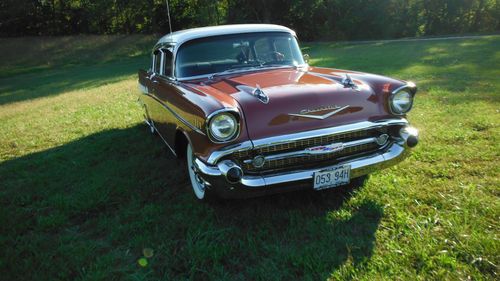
x,y
247,113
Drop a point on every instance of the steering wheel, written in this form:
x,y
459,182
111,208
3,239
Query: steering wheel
x,y
272,57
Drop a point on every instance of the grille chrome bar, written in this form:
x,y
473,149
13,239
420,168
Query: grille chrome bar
x,y
361,126
308,152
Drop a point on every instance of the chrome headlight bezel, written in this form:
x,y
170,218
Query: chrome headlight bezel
x,y
409,89
229,113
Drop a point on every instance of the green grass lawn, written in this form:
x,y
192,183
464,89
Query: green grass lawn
x,y
86,192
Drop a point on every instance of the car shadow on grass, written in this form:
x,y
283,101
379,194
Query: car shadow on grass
x,y
304,234
90,207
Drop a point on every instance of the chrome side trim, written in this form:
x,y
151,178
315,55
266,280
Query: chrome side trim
x,y
307,152
152,125
191,126
365,125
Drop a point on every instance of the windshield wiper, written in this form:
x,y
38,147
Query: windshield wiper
x,y
246,68
236,69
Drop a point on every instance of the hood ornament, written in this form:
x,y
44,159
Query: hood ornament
x,y
256,92
305,112
348,83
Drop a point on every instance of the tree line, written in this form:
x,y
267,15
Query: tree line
x,y
312,19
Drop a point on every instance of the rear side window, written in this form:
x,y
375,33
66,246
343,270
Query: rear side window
x,y
167,62
156,61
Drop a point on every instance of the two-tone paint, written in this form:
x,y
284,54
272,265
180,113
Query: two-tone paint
x,y
179,108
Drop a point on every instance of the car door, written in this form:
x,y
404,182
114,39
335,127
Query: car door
x,y
165,91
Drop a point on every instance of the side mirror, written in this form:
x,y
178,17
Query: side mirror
x,y
306,58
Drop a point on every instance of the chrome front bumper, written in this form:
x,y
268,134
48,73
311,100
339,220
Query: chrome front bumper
x,y
216,177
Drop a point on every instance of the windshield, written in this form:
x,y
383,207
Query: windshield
x,y
225,53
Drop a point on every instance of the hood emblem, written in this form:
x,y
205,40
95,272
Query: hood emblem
x,y
305,112
348,83
324,149
256,92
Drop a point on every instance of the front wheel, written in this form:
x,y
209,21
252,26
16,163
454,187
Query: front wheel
x,y
199,186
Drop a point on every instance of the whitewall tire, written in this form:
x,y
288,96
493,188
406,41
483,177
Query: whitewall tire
x,y
198,185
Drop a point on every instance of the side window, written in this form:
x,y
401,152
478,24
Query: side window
x,y
156,61
167,62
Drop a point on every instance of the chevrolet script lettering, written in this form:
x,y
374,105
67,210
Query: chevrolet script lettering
x,y
304,112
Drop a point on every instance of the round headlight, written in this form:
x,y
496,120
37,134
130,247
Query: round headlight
x,y
223,127
401,102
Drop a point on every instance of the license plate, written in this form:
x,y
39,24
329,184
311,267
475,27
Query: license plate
x,y
336,176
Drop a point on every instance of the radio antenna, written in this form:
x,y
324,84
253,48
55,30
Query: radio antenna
x,y
168,13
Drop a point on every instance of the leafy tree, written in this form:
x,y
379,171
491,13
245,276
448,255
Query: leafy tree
x,y
313,19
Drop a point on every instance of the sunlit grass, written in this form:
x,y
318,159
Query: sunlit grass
x,y
87,194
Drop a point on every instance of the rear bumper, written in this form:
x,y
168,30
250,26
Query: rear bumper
x,y
215,176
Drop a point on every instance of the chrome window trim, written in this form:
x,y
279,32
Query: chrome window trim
x,y
170,49
413,90
153,67
232,110
215,156
162,61
252,28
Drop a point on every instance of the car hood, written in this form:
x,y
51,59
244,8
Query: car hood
x,y
293,93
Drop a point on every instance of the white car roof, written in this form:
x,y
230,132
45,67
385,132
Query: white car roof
x,y
182,36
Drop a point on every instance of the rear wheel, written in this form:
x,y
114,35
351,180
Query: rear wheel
x,y
198,185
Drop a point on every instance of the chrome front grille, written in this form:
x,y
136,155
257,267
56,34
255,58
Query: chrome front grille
x,y
243,157
301,144
312,159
